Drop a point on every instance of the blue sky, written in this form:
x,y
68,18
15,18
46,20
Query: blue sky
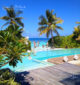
x,y
68,10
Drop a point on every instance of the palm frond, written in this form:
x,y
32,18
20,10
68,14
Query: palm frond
x,y
43,20
13,22
5,18
77,22
49,15
53,17
18,20
59,27
78,26
59,21
45,30
48,33
19,12
56,32
52,12
10,11
5,24
42,28
53,26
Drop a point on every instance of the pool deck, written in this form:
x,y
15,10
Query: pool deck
x,y
62,74
59,60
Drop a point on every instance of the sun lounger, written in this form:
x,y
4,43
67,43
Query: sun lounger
x,y
76,57
65,59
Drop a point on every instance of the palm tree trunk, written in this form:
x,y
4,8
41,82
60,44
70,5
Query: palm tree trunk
x,y
52,41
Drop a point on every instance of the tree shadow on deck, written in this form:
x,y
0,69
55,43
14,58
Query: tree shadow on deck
x,y
23,78
72,80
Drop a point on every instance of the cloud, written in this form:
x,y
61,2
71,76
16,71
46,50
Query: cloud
x,y
20,6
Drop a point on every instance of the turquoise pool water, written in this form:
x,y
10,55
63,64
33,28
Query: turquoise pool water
x,y
37,61
43,55
28,65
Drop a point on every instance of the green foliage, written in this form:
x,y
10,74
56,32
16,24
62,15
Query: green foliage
x,y
76,33
13,45
7,77
49,24
65,42
68,42
12,17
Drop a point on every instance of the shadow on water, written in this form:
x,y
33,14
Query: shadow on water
x,y
72,80
23,78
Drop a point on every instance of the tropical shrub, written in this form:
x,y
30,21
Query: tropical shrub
x,y
57,41
7,77
12,46
65,42
76,33
71,41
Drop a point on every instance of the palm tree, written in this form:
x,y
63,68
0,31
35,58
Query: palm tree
x,y
12,43
12,17
49,25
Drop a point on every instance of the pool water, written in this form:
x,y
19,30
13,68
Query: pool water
x,y
43,55
37,60
28,65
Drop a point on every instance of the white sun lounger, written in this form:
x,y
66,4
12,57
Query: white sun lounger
x,y
76,57
65,59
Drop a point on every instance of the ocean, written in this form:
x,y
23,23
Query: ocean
x,y
42,41
39,39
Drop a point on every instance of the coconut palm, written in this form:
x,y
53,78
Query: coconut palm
x,y
12,17
49,24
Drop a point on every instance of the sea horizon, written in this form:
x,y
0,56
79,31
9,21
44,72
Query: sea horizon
x,y
39,39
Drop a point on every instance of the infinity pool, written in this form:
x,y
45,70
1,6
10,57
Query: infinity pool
x,y
43,55
37,61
